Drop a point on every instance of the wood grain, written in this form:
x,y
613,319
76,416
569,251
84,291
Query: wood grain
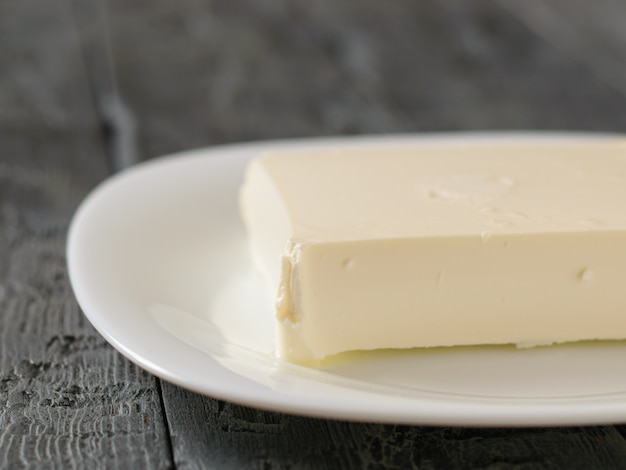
x,y
593,34
207,433
198,73
67,400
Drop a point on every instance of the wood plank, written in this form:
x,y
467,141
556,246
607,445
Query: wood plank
x,y
199,73
42,83
67,399
207,433
594,33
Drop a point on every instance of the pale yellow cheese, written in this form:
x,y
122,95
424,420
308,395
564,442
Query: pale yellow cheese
x,y
420,246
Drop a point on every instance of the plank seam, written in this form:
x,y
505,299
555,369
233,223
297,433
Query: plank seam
x,y
166,422
118,126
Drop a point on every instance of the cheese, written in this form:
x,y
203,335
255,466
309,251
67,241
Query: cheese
x,y
440,245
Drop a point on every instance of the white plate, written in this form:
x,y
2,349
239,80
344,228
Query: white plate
x,y
158,260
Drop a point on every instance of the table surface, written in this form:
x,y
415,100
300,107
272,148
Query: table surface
x,y
90,87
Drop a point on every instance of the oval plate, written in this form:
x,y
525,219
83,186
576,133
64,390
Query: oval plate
x,y
158,261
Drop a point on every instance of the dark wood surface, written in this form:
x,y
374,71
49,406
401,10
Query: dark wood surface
x,y
89,87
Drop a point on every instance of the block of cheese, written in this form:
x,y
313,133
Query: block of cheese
x,y
440,245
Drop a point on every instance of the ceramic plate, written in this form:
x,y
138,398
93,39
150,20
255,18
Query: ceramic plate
x,y
158,261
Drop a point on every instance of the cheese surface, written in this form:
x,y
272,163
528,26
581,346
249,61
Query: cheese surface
x,y
440,245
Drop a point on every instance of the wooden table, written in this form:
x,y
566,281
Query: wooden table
x,y
90,87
